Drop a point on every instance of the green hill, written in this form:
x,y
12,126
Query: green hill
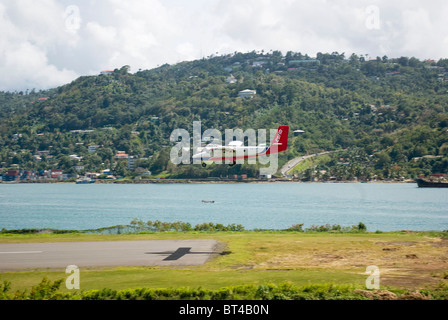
x,y
389,115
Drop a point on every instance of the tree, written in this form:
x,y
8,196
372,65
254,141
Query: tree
x,y
354,60
383,160
161,161
121,169
403,61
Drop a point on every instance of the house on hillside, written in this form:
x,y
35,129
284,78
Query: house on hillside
x,y
304,62
78,168
132,162
93,148
121,155
231,79
247,94
56,174
11,175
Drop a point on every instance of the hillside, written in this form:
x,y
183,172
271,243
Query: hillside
x,y
390,115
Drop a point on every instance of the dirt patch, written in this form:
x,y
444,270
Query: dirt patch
x,y
388,295
441,243
243,267
377,294
410,278
390,249
403,264
397,243
326,257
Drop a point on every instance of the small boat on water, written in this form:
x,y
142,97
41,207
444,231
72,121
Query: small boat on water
x,y
423,183
208,201
84,180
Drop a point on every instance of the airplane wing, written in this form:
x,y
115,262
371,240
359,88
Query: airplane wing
x,y
235,143
228,151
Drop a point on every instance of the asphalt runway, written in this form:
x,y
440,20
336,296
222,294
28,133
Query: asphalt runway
x,y
15,256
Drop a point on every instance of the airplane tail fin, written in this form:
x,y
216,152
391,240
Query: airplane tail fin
x,y
280,141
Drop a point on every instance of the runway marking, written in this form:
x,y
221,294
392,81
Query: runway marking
x,y
17,252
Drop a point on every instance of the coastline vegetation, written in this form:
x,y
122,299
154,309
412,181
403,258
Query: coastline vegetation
x,y
139,226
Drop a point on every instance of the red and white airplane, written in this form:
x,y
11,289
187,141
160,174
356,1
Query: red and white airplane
x,y
235,150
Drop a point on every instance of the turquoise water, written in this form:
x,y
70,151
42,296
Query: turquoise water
x,y
381,206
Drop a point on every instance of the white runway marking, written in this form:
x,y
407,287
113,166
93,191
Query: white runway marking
x,y
18,252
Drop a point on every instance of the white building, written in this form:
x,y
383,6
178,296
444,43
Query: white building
x,y
132,162
75,157
93,148
247,93
231,79
79,168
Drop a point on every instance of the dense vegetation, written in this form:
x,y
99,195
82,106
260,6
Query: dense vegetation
x,y
49,290
390,116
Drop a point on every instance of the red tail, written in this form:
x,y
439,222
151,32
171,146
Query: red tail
x,y
280,141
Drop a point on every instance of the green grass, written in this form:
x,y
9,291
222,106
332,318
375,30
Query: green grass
x,y
310,163
302,166
145,277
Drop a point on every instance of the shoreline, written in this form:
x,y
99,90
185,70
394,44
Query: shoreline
x,y
187,181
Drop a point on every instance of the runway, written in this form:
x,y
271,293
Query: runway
x,y
24,256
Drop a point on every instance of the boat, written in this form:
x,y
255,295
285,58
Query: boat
x,y
423,183
208,201
84,180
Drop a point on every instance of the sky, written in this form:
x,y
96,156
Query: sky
x,y
48,43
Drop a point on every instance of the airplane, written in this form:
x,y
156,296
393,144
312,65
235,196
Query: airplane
x,y
238,151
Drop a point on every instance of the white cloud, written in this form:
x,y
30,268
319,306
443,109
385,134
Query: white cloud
x,y
27,36
48,43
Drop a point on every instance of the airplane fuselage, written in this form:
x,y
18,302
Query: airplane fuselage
x,y
230,154
235,151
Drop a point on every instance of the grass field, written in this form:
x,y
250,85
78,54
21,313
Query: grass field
x,y
406,260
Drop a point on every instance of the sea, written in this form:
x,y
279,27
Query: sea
x,y
380,206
